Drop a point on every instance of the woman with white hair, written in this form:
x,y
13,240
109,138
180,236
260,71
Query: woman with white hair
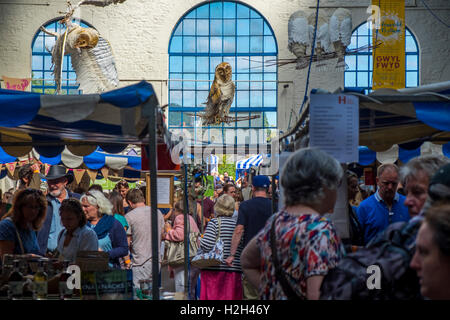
x,y
305,242
221,282
110,233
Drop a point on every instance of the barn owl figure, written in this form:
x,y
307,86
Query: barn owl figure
x,y
220,96
340,27
322,43
92,59
299,37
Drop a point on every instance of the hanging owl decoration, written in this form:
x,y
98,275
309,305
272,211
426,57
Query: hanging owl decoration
x,y
91,54
220,96
299,37
340,27
322,43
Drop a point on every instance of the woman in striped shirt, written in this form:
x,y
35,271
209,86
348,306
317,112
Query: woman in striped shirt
x,y
221,282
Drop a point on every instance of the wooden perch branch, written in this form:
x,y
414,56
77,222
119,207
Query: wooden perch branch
x,y
54,34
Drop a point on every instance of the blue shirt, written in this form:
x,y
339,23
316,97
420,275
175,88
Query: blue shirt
x,y
56,227
28,237
374,214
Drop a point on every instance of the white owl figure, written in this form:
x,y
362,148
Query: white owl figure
x,y
340,30
322,43
92,59
299,37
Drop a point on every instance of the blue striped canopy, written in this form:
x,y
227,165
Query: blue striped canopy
x,y
249,162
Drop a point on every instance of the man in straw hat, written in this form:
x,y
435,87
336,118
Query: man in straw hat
x,y
57,180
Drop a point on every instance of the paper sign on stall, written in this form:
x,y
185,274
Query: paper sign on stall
x,y
334,125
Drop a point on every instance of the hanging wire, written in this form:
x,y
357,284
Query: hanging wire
x,y
434,15
305,98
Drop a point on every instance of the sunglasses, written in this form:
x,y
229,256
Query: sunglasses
x,y
90,194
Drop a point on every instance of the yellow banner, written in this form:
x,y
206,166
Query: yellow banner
x,y
16,83
389,56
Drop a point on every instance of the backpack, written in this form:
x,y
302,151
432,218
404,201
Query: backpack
x,y
391,251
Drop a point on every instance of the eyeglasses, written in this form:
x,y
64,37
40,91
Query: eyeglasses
x,y
90,194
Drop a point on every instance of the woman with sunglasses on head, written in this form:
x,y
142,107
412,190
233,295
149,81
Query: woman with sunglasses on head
x,y
111,235
18,227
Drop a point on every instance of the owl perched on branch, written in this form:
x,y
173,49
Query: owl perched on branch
x,y
220,96
299,37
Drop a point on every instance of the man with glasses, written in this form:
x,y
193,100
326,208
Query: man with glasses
x,y
384,207
57,180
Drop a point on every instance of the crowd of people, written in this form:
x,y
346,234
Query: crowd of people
x,y
266,255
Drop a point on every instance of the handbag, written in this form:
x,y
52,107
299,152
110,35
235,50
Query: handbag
x,y
212,258
174,251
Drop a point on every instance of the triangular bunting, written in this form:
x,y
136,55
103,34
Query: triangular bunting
x,y
105,172
11,167
78,174
47,168
92,174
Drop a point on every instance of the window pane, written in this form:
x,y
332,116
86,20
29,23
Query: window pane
x,y
363,41
38,44
256,99
188,98
188,84
202,64
175,84
351,62
244,85
270,64
189,44
216,45
243,27
229,10
202,27
243,11
203,11
203,85
243,45
410,45
411,79
271,118
256,44
229,45
216,27
176,45
270,99
231,60
202,44
269,44
411,62
363,62
176,98
174,118
242,99
267,31
256,27
350,79
363,79
188,27
242,64
188,64
37,62
214,61
257,122
229,27
256,81
256,64
216,10
175,64
270,85
179,30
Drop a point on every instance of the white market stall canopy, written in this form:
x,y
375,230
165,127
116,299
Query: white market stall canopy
x,y
249,162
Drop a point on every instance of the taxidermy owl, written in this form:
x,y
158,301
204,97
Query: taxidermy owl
x,y
220,96
340,29
322,43
299,37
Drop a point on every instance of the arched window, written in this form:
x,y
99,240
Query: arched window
x,y
41,64
215,32
360,66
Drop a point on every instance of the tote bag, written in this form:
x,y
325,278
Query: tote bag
x,y
212,258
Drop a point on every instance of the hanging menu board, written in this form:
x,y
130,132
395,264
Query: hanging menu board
x,y
334,125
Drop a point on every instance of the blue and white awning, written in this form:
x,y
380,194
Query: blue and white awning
x,y
250,162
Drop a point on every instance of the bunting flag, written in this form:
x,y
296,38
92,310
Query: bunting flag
x,y
105,172
16,83
11,167
92,174
78,174
47,168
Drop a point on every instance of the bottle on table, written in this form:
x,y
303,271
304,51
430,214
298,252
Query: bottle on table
x,y
15,282
40,281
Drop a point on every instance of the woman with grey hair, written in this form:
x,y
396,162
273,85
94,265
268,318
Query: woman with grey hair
x,y
305,243
221,282
110,233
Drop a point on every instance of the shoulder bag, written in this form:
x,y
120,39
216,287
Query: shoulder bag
x,y
212,258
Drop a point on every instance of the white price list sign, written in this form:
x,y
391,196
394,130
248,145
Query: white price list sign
x,y
334,125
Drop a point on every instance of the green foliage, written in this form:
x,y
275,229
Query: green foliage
x,y
227,167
